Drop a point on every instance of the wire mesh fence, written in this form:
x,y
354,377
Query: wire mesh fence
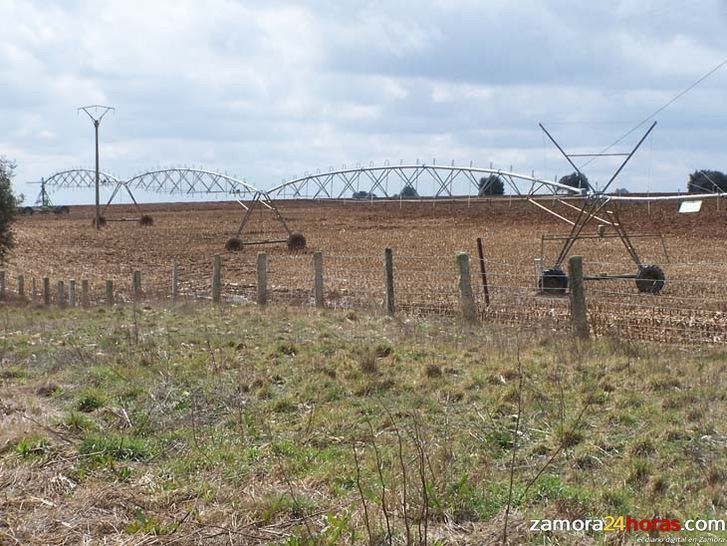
x,y
691,308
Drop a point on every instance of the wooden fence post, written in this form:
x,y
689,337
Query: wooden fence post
x,y
467,298
46,291
483,272
109,292
389,279
175,282
61,294
72,293
262,278
318,278
2,285
21,288
33,291
217,279
579,319
136,286
84,293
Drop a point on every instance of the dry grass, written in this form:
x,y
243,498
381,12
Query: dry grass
x,y
200,425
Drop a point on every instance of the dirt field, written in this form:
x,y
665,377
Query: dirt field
x,y
425,238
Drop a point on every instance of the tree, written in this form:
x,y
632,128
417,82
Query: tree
x,y
575,180
409,191
8,206
491,185
705,181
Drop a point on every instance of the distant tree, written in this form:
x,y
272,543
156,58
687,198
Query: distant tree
x,y
363,195
621,191
705,181
408,191
491,185
575,180
8,206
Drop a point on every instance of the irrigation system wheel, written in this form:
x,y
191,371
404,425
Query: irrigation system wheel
x,y
234,244
553,281
101,221
296,241
28,211
650,279
146,220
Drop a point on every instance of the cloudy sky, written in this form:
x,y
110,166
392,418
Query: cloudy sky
x,y
268,89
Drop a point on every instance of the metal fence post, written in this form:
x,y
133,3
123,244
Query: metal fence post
x,y
109,292
262,278
389,279
217,279
136,286
467,298
175,282
46,291
318,278
84,293
579,319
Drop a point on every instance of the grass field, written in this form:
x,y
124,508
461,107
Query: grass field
x,y
235,425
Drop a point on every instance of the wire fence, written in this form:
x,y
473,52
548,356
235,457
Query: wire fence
x,y
690,309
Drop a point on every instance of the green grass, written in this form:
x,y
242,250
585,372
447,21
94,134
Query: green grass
x,y
238,414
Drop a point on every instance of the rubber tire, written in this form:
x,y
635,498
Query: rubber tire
x,y
296,242
234,244
650,279
553,281
28,211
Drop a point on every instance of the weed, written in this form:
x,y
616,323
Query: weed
x,y
117,447
90,399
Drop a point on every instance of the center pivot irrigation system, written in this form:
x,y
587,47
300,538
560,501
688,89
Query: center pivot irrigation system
x,y
420,182
181,181
649,278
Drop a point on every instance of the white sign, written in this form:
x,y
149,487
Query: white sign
x,y
690,206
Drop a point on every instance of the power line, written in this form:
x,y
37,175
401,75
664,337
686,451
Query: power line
x,y
659,110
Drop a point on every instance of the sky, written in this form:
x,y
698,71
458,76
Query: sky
x,y
267,90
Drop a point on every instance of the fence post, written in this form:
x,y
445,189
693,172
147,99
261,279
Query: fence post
x,y
109,292
33,291
579,319
136,286
175,282
46,291
61,294
217,279
467,298
84,293
318,278
262,278
21,288
389,278
72,293
2,285
483,272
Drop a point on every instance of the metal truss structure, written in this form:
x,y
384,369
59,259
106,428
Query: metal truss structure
x,y
187,181
79,178
389,181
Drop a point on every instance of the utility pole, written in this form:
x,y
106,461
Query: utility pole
x,y
96,112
